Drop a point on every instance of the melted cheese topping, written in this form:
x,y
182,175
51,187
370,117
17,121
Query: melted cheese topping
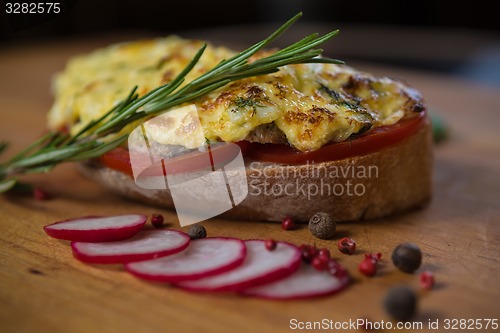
x,y
312,104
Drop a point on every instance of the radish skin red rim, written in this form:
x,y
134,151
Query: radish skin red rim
x,y
307,282
202,258
97,228
145,245
260,266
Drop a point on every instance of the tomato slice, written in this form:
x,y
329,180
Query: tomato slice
x,y
374,140
369,142
119,159
213,158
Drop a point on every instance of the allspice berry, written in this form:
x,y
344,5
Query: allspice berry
x,y
322,225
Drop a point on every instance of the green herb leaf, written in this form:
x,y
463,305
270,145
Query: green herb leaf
x,y
3,146
99,150
7,184
440,130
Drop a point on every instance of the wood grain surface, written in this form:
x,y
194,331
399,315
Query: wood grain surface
x,y
44,289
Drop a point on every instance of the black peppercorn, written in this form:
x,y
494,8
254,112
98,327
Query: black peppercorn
x,y
407,257
400,303
322,225
197,231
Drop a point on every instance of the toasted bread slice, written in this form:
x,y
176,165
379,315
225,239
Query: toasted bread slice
x,y
394,179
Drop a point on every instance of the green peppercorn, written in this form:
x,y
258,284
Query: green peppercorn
x,y
197,231
407,257
322,225
400,303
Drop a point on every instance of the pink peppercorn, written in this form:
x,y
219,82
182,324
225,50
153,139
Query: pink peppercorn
x,y
270,244
427,280
40,194
287,223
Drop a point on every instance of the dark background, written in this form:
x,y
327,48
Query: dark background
x,y
456,37
98,16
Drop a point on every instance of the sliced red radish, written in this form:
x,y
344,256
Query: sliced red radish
x,y
97,228
259,267
203,257
145,245
305,283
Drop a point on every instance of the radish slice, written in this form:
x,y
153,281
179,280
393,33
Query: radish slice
x,y
145,245
259,267
305,283
97,228
203,257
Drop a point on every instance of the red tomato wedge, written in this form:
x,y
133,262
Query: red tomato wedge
x,y
374,140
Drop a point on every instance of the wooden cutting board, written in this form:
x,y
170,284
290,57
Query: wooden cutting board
x,y
43,289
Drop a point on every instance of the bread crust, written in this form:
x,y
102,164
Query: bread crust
x,y
394,179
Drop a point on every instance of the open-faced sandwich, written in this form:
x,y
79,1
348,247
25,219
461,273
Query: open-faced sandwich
x,y
314,136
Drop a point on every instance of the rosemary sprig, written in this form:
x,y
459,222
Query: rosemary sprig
x,y
100,135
